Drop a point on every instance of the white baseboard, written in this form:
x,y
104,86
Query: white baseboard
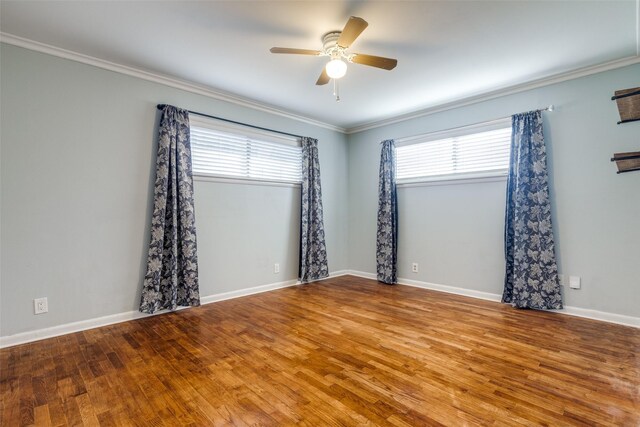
x,y
339,273
83,325
248,291
362,274
451,289
67,328
603,316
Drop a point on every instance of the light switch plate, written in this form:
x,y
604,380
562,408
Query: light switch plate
x,y
574,282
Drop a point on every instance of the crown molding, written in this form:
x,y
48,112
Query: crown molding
x,y
637,27
160,79
500,92
255,105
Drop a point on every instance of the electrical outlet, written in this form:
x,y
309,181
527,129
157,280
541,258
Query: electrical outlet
x,y
276,268
414,267
40,305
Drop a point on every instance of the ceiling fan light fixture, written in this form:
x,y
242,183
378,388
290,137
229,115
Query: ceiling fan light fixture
x,y
336,68
335,45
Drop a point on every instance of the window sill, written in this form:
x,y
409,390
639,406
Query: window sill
x,y
245,181
453,180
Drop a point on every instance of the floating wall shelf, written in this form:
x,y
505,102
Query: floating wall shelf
x,y
627,162
628,101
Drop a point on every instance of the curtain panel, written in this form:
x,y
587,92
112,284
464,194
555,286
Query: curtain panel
x,y
531,279
172,267
387,233
313,251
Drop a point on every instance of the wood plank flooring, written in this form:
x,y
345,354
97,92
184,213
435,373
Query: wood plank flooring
x,y
345,351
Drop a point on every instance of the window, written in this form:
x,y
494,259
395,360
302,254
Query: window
x,y
475,151
236,152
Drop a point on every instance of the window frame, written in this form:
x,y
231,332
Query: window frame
x,y
243,132
455,178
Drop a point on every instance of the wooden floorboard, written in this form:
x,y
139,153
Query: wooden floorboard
x,y
344,351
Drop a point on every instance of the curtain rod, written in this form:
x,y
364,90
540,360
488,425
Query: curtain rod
x,y
399,140
161,106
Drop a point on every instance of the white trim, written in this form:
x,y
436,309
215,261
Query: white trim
x,y
333,275
637,27
450,289
338,273
68,328
501,123
246,181
248,291
602,316
362,274
160,79
83,325
478,178
499,92
235,99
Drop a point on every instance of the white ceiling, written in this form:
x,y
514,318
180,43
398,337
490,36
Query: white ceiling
x,y
446,50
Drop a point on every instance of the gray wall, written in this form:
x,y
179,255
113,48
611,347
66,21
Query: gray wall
x,y
455,232
76,171
77,160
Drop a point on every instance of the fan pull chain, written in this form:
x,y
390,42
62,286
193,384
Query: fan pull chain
x,y
336,90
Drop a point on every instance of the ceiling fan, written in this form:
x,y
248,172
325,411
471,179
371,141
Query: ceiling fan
x,y
334,46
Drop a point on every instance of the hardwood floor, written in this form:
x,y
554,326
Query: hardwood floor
x,y
345,351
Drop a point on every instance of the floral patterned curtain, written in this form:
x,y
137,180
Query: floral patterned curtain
x,y
313,251
387,236
172,266
531,279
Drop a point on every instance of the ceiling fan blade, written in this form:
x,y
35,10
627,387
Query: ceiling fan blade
x,y
295,51
375,61
351,31
324,78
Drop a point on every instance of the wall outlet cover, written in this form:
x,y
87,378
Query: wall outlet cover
x,y
40,305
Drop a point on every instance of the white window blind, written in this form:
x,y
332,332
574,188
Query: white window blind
x,y
465,154
229,152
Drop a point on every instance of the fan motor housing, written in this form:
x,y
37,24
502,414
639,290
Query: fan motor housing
x,y
330,40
